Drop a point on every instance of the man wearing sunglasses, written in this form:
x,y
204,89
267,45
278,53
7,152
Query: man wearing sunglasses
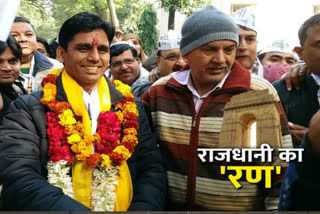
x,y
125,64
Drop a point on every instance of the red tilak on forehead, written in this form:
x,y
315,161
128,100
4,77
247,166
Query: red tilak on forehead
x,y
95,42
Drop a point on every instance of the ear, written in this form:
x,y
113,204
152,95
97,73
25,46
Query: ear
x,y
138,60
158,60
60,54
299,51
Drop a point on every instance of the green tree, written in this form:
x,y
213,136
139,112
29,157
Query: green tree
x,y
147,29
183,6
37,11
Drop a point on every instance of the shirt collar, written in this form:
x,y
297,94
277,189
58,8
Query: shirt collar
x,y
184,78
316,78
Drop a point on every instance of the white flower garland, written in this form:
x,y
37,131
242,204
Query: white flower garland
x,y
103,195
59,176
104,182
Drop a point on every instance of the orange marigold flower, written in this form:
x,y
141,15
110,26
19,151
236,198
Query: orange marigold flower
x,y
130,139
49,93
131,124
60,106
81,156
120,115
75,149
51,105
116,158
93,160
119,105
130,116
129,146
130,131
97,138
88,139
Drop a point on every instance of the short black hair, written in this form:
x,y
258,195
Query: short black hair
x,y
83,22
302,33
118,49
24,20
45,43
53,46
13,45
158,53
261,56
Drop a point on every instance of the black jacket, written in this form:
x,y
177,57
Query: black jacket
x,y
23,158
299,105
8,94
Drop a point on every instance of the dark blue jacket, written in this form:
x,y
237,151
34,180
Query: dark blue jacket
x,y
41,62
301,186
23,158
299,105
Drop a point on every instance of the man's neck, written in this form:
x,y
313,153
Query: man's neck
x,y
89,89
26,60
202,89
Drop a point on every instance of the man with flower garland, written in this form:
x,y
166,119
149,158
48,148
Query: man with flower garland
x,y
83,125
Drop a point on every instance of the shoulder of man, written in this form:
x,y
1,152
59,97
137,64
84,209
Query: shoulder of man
x,y
31,100
162,81
258,83
56,64
43,65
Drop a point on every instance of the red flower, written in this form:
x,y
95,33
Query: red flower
x,y
49,78
130,116
99,148
129,146
131,124
60,106
93,160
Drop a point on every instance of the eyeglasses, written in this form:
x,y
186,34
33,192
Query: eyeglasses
x,y
128,61
172,57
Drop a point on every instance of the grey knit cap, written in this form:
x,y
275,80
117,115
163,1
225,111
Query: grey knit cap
x,y
207,25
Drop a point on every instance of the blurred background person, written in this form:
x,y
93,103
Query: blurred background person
x,y
43,46
10,61
169,58
53,47
138,44
246,53
34,65
279,52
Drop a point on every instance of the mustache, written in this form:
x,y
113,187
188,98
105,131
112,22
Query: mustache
x,y
124,72
214,66
176,68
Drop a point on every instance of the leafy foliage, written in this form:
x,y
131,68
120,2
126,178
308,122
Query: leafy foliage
x,y
184,6
47,16
147,29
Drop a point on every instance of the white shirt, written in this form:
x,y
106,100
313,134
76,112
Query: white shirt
x,y
92,103
317,80
184,78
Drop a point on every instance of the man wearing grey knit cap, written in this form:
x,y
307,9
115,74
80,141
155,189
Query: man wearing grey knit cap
x,y
187,111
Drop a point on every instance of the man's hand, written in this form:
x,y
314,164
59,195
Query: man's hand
x,y
118,34
297,132
295,76
314,132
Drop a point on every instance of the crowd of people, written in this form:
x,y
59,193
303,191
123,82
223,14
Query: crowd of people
x,y
90,122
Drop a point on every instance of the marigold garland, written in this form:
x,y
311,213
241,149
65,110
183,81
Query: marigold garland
x,y
66,136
